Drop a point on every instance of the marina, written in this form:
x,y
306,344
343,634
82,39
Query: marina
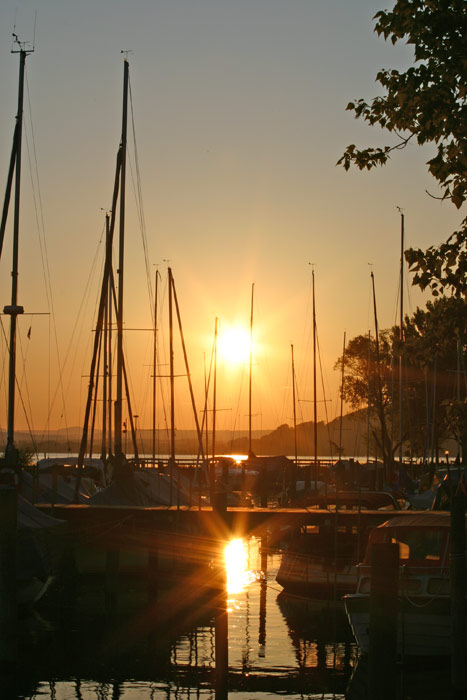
x,y
167,545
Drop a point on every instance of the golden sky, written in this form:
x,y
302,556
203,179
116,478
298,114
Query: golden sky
x,y
239,118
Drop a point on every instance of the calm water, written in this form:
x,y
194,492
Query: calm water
x,y
276,645
165,649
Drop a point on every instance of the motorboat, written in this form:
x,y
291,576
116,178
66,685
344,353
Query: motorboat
x,y
424,609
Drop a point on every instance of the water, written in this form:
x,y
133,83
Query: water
x,y
166,651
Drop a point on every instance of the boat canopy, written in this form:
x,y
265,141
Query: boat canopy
x,y
423,539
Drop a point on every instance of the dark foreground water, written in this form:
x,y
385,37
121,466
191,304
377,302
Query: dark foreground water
x,y
165,649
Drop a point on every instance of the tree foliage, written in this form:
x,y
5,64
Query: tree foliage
x,y
427,102
433,383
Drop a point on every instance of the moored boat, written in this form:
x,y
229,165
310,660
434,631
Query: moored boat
x,y
424,603
321,561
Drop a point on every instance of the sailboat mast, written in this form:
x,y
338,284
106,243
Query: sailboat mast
x,y
294,407
154,366
13,310
171,353
105,358
251,374
384,440
214,391
119,377
342,401
315,407
401,337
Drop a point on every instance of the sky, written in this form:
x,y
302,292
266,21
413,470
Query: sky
x,y
238,117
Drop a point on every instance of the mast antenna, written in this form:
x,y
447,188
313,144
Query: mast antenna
x,y
22,45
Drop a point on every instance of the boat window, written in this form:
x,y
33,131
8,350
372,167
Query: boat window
x,y
421,545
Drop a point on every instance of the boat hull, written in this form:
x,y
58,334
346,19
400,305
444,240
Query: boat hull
x,y
313,576
424,625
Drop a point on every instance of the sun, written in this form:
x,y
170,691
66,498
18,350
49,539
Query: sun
x,y
233,345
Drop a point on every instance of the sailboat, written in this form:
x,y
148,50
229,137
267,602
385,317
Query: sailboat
x,y
36,550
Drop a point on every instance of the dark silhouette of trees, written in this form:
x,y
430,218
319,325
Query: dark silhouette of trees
x,y
427,104
433,383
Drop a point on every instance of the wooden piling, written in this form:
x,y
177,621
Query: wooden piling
x,y
8,603
262,597
382,649
221,626
458,584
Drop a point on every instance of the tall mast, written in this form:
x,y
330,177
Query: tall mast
x,y
369,400
294,409
154,366
214,391
105,358
172,380
14,309
119,377
380,392
109,355
250,375
315,408
401,334
342,400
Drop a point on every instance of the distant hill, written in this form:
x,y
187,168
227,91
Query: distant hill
x,y
267,442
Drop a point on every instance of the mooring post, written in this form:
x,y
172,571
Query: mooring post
x,y
262,596
221,627
458,583
8,604
382,648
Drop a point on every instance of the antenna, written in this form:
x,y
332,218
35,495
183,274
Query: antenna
x,y
126,52
22,45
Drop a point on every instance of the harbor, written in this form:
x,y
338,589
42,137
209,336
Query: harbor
x,y
199,498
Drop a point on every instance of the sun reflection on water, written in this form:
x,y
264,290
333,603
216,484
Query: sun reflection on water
x,y
237,566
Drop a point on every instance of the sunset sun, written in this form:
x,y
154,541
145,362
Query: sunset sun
x,y
234,345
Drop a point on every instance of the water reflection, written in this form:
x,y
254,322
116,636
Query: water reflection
x,y
163,645
237,566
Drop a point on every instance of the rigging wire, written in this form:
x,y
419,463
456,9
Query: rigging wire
x,y
25,379
324,393
20,394
40,224
79,321
237,410
139,206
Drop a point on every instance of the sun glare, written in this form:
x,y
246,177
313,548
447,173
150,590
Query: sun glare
x,y
234,345
236,564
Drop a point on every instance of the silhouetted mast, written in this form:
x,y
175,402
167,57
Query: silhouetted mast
x,y
119,377
315,398
378,375
250,376
214,391
154,373
172,379
342,401
13,310
294,407
401,332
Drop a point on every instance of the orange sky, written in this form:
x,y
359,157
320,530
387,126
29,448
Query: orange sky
x,y
239,117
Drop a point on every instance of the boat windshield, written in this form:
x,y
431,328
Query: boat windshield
x,y
417,546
